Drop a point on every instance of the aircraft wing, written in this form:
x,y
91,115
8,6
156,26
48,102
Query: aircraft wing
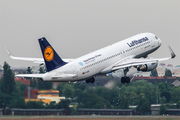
x,y
138,62
130,61
34,60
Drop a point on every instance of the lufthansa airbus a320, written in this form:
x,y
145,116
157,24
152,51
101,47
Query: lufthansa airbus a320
x,y
131,52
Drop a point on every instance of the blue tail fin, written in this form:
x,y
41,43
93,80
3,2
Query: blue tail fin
x,y
51,58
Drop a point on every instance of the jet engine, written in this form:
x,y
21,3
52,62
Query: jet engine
x,y
147,67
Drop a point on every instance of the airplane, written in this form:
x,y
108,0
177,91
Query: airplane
x,y
130,52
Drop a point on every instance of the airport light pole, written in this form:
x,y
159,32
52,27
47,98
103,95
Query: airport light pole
x,y
119,91
157,94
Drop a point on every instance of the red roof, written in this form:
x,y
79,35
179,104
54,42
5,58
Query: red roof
x,y
162,64
152,78
169,65
23,80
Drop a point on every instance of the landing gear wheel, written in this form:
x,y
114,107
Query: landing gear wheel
x,y
92,80
123,80
87,81
127,80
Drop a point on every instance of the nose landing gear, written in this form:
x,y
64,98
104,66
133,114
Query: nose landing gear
x,y
92,80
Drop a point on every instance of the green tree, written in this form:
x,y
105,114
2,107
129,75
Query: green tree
x,y
51,105
7,85
68,91
162,109
168,73
178,104
91,100
144,105
80,86
42,85
60,88
139,83
154,73
29,70
114,94
33,83
17,101
77,92
42,70
165,91
149,90
20,88
64,104
124,103
175,95
7,82
35,104
105,92
4,99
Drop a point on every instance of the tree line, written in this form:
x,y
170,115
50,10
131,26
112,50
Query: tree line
x,y
121,96
12,93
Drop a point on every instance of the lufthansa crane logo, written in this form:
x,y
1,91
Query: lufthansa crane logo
x,y
48,53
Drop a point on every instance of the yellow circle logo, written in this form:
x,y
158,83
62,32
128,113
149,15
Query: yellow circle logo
x,y
48,53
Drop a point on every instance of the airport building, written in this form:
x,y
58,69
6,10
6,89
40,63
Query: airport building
x,y
46,96
174,69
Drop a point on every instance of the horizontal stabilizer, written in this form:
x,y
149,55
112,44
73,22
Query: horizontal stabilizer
x,y
34,60
30,75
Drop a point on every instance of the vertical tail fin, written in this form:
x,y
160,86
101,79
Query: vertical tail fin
x,y
51,58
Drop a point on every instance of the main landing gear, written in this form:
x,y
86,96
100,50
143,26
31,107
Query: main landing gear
x,y
91,80
125,79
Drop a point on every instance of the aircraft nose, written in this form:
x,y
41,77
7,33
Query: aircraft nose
x,y
159,40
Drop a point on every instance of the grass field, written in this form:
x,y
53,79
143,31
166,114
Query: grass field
x,y
90,117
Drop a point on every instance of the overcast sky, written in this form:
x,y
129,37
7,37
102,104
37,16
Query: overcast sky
x,y
77,27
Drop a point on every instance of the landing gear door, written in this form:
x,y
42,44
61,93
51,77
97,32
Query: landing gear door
x,y
74,71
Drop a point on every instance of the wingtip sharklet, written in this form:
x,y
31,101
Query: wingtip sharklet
x,y
9,53
173,55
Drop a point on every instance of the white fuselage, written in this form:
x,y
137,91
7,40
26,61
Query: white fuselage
x,y
97,62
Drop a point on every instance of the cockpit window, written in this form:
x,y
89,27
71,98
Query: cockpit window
x,y
156,37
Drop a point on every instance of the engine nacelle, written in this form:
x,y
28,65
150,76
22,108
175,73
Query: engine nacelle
x,y
147,67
